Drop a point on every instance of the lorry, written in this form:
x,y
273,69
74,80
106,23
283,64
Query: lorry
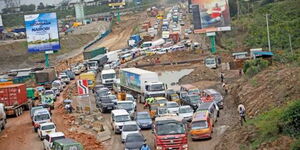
x,y
93,53
170,133
108,77
45,77
97,62
135,40
141,83
14,98
153,43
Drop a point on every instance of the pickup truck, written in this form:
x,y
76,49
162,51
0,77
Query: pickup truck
x,y
104,104
48,141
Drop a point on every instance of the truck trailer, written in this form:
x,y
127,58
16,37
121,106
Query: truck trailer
x,y
141,83
14,98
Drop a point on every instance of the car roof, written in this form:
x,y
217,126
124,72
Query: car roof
x,y
135,134
124,102
55,134
119,112
47,123
204,106
41,111
130,123
171,102
185,106
66,141
160,98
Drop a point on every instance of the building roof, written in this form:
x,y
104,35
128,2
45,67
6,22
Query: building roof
x,y
262,53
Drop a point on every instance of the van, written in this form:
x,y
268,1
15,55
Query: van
x,y
118,117
201,125
40,116
211,107
217,96
66,144
190,89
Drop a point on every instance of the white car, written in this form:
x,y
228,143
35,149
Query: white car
x,y
65,78
186,112
128,106
48,141
128,128
129,97
172,107
46,128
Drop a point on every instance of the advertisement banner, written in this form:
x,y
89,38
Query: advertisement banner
x,y
117,3
214,15
131,80
1,24
42,32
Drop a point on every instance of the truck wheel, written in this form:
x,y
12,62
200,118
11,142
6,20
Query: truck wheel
x,y
21,111
17,112
35,129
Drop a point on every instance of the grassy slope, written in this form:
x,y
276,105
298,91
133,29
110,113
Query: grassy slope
x,y
250,30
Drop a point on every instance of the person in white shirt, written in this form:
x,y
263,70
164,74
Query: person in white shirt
x,y
242,112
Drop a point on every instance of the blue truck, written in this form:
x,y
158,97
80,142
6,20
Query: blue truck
x,y
135,40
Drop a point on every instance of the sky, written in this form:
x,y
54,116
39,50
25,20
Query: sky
x,y
36,2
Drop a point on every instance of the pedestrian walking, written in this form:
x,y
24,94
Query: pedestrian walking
x,y
222,77
242,112
225,87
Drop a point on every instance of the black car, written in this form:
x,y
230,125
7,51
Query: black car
x,y
192,100
105,104
102,92
134,141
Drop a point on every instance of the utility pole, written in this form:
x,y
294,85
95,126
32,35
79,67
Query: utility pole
x,y
268,32
290,41
238,9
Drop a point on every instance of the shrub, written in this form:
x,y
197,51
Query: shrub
x,y
291,120
252,67
296,145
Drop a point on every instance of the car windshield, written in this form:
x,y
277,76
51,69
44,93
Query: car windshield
x,y
106,100
112,97
48,92
162,101
174,97
108,76
194,99
194,91
156,87
64,77
122,118
90,82
134,139
42,117
132,127
210,61
130,98
125,106
199,125
162,111
172,105
57,138
170,128
143,116
48,127
185,110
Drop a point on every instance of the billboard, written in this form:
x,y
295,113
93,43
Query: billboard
x,y
1,24
118,3
79,12
42,32
210,15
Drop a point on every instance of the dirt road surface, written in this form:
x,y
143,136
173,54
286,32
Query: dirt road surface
x,y
19,134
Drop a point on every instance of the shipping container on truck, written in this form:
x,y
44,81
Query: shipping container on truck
x,y
45,77
14,98
93,53
141,83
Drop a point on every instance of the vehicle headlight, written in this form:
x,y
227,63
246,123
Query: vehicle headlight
x,y
185,146
158,147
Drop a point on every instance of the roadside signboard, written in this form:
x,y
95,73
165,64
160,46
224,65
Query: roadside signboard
x,y
82,87
211,15
116,3
42,32
1,24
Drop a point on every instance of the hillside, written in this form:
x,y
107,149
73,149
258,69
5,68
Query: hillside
x,y
249,30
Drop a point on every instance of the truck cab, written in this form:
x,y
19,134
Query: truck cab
x,y
108,77
90,76
170,133
154,89
92,65
211,62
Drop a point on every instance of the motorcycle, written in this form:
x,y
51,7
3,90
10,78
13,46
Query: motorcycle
x,y
68,105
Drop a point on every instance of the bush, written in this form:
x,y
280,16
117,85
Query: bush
x,y
291,120
296,145
252,67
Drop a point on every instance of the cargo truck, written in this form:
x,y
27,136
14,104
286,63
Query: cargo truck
x,y
2,117
135,40
141,83
170,133
45,77
97,63
14,98
153,43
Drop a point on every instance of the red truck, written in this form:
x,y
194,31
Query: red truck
x,y
170,133
14,98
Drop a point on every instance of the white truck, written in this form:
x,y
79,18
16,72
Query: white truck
x,y
153,43
108,77
2,117
141,83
